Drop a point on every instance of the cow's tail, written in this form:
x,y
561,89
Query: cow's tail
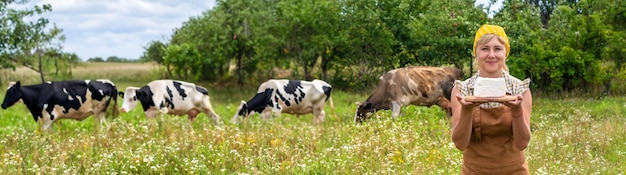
x,y
327,91
332,107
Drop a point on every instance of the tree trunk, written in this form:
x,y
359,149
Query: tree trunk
x,y
56,67
309,65
607,92
326,58
618,65
41,69
169,71
239,68
306,69
324,67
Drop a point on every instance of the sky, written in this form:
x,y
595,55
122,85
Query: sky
x,y
122,28
493,8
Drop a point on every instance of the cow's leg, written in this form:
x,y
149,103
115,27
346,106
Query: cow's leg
x,y
161,116
99,119
152,114
319,115
267,114
446,107
275,112
235,119
395,108
46,123
448,112
47,126
208,110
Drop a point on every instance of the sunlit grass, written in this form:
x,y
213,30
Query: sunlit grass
x,y
570,136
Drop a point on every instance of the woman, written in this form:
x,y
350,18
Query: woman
x,y
492,135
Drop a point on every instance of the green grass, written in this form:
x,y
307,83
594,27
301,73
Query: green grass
x,y
570,136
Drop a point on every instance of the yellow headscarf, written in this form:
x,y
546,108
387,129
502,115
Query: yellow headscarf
x,y
492,29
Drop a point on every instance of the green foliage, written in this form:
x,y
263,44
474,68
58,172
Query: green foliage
x,y
561,45
313,30
185,60
444,33
365,47
154,52
26,38
564,56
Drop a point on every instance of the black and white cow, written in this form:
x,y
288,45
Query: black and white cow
x,y
287,96
71,99
170,97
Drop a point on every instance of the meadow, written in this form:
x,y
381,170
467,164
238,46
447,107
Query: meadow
x,y
570,136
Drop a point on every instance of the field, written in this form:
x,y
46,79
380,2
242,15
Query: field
x,y
570,136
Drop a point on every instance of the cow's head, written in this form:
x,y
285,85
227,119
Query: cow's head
x,y
363,111
130,99
13,95
242,111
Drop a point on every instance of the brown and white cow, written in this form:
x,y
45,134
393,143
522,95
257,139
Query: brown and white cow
x,y
170,97
71,99
287,96
412,85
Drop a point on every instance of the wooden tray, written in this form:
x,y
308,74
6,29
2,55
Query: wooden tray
x,y
490,99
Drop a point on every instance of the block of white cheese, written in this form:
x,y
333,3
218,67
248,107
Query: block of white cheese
x,y
489,87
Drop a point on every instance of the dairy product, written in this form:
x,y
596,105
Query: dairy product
x,y
489,87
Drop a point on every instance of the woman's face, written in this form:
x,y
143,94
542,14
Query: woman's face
x,y
490,58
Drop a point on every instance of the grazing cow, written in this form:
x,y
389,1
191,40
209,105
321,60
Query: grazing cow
x,y
287,96
72,99
170,97
420,86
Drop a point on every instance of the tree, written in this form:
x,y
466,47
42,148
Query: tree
x,y
206,33
115,59
154,52
244,22
546,7
398,16
613,14
367,46
95,59
310,30
559,44
564,56
523,25
444,33
23,41
185,60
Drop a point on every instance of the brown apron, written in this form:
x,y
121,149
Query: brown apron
x,y
491,149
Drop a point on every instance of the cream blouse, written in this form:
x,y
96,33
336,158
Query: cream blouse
x,y
514,87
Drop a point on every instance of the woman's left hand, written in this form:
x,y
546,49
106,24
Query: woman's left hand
x,y
514,103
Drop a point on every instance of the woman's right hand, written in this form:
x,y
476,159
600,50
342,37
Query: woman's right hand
x,y
466,104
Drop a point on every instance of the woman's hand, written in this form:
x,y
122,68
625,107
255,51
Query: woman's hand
x,y
514,104
466,104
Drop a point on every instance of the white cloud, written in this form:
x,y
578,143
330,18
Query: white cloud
x,y
103,28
